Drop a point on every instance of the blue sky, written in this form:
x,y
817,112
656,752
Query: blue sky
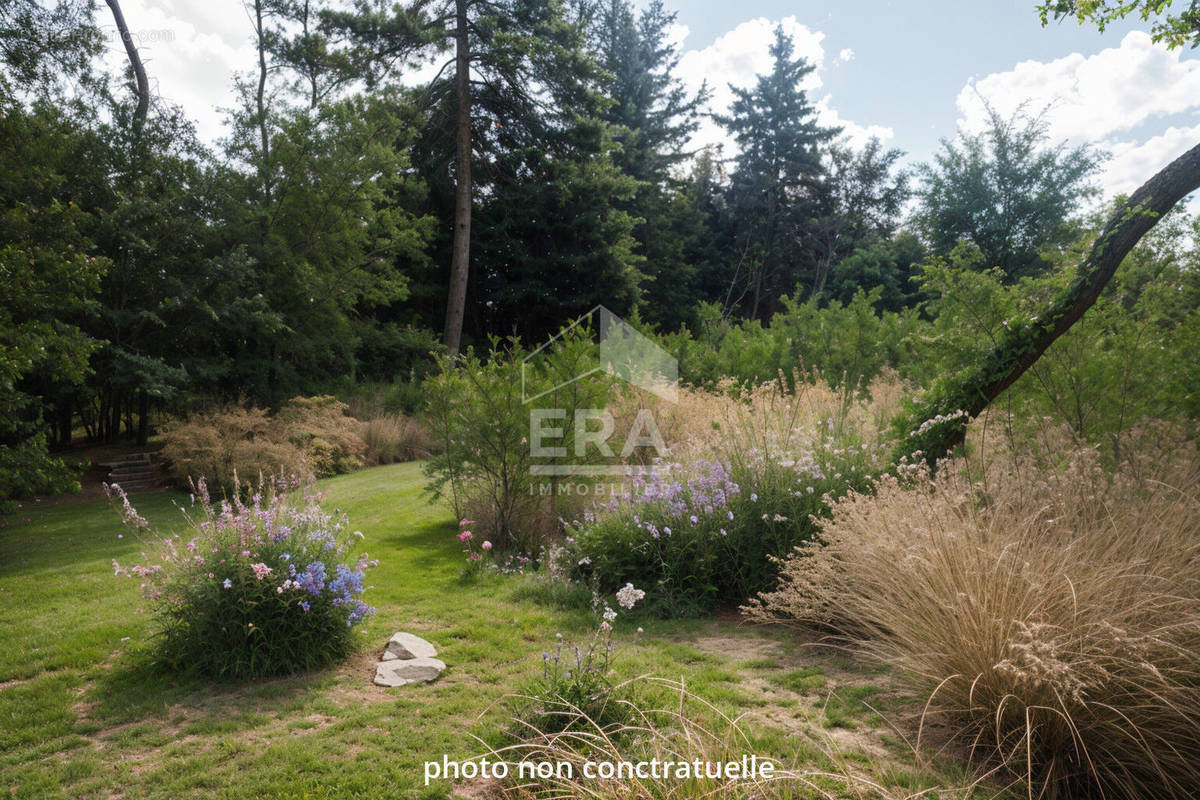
x,y
910,72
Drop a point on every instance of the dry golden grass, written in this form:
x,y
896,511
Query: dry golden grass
x,y
686,729
714,425
391,438
1049,610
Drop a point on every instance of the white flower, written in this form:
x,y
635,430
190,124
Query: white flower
x,y
609,615
628,596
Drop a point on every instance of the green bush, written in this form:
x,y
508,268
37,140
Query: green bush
x,y
480,422
576,688
846,344
1130,357
252,589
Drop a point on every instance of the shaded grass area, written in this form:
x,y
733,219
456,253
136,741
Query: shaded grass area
x,y
82,713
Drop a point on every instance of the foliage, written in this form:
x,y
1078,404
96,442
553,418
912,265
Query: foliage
x,y
49,276
577,684
482,424
847,344
779,176
308,437
866,194
1126,360
1006,192
1175,30
652,115
319,426
253,590
1039,602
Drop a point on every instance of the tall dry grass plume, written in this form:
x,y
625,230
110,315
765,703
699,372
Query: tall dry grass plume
x,y
792,412
395,437
1048,609
685,728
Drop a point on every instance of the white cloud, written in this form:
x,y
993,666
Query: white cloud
x,y
191,52
1100,99
845,54
1092,97
1134,162
857,135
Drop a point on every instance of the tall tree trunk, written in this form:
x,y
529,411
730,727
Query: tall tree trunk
x,y
143,428
460,259
139,70
939,421
261,102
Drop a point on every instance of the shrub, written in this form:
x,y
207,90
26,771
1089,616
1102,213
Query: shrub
x,y
746,486
395,437
481,424
252,589
1049,610
320,427
848,344
309,436
229,442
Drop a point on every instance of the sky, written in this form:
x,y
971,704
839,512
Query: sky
x,y
912,72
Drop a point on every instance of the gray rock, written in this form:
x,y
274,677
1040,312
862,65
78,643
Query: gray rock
x,y
407,646
401,671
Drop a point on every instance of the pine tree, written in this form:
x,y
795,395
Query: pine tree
x,y
778,187
653,116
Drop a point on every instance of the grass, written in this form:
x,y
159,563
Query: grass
x,y
82,715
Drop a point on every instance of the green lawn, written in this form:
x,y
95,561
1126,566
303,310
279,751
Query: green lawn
x,y
82,716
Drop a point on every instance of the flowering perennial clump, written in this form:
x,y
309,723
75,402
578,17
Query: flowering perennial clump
x,y
262,587
705,532
578,677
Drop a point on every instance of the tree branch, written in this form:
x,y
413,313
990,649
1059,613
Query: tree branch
x,y
938,422
135,62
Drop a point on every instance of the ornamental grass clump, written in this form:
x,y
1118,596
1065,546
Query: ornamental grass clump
x,y
269,586
1048,609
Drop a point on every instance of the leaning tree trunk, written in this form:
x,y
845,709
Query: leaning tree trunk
x,y
135,62
456,300
938,423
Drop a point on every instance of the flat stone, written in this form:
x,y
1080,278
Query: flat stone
x,y
401,671
406,646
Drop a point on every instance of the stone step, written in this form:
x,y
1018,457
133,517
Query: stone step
x,y
128,458
144,469
139,486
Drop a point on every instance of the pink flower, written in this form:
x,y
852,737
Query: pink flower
x,y
465,536
486,545
465,522
260,570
